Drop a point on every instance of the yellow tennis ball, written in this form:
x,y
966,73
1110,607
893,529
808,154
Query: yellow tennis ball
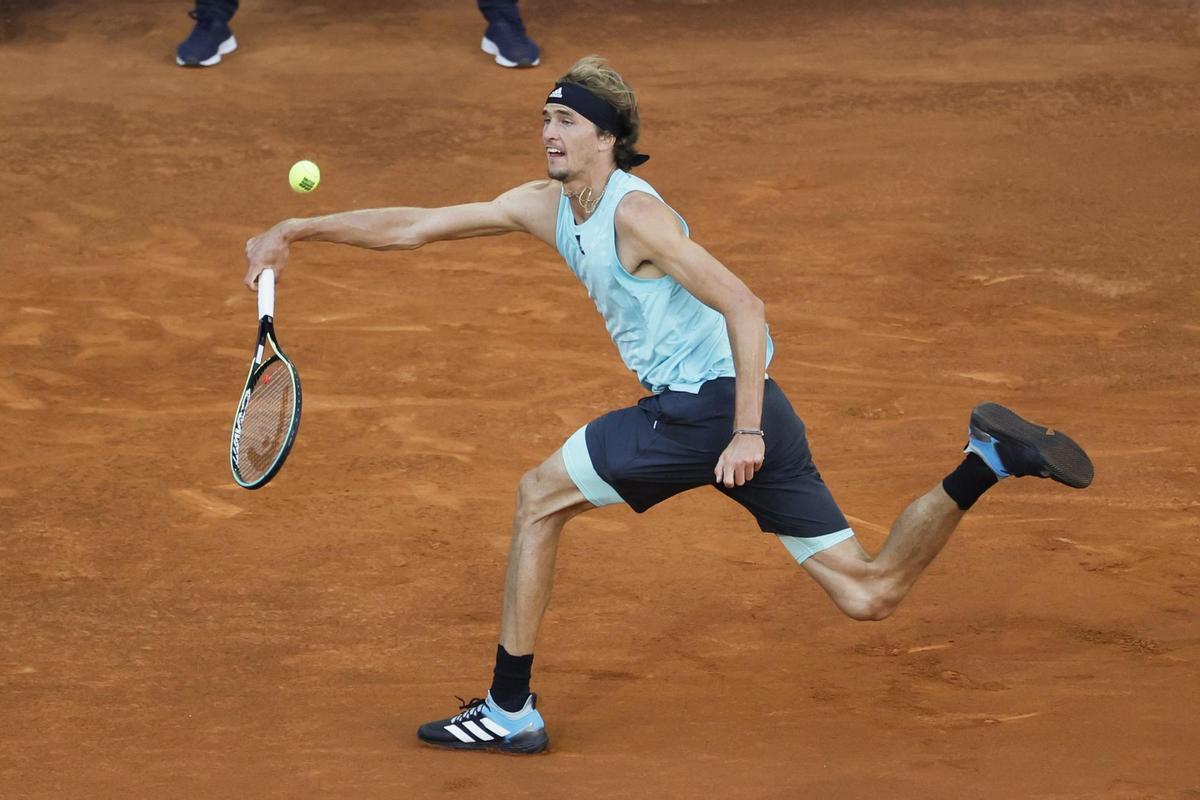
x,y
304,176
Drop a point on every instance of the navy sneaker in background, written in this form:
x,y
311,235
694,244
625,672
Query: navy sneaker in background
x,y
209,40
505,37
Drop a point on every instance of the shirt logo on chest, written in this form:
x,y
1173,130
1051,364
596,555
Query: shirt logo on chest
x,y
579,241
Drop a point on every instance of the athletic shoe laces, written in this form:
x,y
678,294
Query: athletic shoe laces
x,y
473,707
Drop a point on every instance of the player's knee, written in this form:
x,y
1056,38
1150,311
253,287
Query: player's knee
x,y
871,602
526,495
532,498
873,610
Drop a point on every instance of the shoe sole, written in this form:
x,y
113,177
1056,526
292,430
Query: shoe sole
x,y
491,48
523,744
1059,456
223,49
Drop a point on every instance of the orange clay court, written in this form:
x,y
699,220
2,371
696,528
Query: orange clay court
x,y
940,203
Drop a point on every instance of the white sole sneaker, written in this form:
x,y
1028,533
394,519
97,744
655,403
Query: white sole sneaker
x,y
223,49
489,47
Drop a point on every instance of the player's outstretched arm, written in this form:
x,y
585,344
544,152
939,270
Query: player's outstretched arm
x,y
652,233
530,207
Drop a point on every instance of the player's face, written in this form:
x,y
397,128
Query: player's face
x,y
570,141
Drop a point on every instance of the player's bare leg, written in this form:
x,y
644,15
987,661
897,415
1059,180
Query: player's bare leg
x,y
870,587
508,719
1000,445
546,499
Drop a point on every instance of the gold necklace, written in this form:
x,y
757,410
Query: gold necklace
x,y
584,196
586,202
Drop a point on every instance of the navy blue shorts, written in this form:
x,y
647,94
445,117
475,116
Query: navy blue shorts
x,y
670,442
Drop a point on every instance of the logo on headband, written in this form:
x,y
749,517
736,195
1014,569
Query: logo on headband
x,y
557,92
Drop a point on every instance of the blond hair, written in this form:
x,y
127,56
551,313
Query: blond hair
x,y
594,74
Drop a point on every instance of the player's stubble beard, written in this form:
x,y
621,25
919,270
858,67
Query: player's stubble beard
x,y
563,172
558,173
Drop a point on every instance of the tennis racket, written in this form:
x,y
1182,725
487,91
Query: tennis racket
x,y
268,415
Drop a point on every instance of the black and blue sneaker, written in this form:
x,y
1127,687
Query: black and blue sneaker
x,y
209,40
483,725
505,37
1016,447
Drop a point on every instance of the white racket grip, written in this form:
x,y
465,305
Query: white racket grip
x,y
266,293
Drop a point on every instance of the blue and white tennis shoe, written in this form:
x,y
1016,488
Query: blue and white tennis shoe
x,y
1013,446
483,725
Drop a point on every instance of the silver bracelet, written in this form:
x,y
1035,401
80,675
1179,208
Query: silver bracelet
x,y
750,431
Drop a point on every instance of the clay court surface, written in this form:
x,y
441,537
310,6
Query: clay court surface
x,y
940,203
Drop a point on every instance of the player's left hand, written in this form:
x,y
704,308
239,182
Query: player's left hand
x,y
741,459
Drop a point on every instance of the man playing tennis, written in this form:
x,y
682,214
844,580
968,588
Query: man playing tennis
x,y
697,338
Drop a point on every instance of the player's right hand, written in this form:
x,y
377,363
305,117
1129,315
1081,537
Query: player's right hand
x,y
741,459
268,250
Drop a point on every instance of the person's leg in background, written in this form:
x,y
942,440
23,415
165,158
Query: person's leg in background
x,y
211,37
505,37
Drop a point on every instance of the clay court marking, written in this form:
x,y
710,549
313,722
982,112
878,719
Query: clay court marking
x,y
996,378
871,526
205,504
11,396
25,333
51,223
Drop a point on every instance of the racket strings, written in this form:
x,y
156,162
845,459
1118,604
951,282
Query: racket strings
x,y
267,421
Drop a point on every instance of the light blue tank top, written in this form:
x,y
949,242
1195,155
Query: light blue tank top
x,y
665,335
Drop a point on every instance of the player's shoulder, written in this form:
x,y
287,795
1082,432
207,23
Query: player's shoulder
x,y
639,201
543,187
532,207
535,195
532,197
641,211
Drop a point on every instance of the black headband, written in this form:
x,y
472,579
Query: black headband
x,y
594,109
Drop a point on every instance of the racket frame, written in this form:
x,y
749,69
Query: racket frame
x,y
266,335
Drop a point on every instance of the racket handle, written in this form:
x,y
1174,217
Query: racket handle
x,y
266,293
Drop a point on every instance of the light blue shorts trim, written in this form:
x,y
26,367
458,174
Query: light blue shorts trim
x,y
579,467
804,549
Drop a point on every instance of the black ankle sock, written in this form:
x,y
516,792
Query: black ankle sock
x,y
510,680
969,481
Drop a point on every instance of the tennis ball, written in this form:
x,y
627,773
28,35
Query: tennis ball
x,y
304,176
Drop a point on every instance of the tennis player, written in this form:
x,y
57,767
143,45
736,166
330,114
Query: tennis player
x,y
697,339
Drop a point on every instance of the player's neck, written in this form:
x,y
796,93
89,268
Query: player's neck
x,y
587,191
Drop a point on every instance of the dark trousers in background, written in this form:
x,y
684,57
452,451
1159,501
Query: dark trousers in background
x,y
222,8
